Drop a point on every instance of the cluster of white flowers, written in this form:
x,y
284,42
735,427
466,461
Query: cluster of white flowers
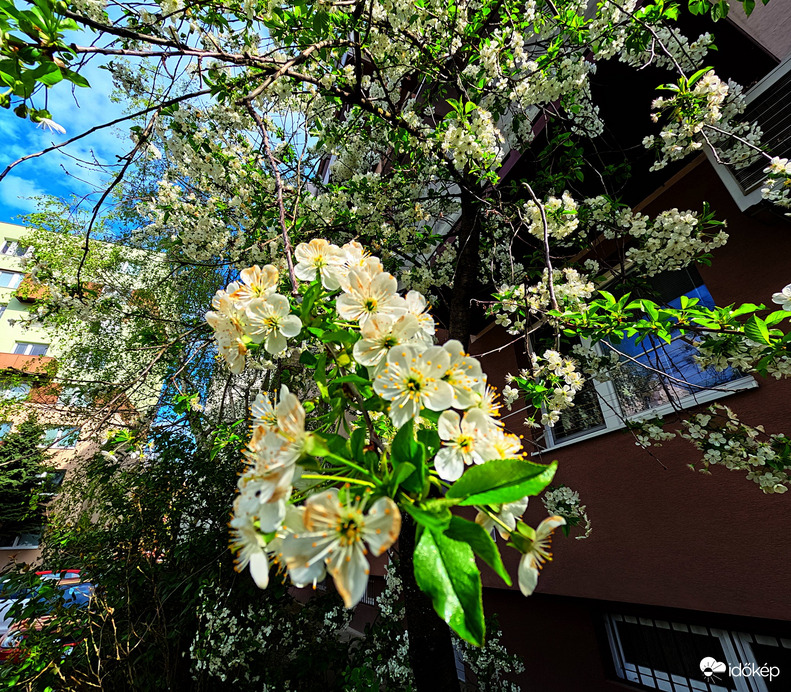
x,y
93,9
406,370
473,142
566,503
650,433
669,47
777,187
227,642
560,375
673,240
561,217
705,114
600,366
723,351
725,440
250,311
491,663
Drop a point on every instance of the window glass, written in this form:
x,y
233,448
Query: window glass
x,y
653,373
61,437
29,538
71,395
585,416
5,428
10,279
30,349
16,392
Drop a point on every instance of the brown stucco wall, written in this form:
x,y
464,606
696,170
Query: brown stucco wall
x,y
663,534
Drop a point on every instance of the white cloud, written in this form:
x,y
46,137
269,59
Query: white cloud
x,y
15,191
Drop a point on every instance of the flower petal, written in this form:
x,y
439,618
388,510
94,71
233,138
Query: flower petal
x,y
382,525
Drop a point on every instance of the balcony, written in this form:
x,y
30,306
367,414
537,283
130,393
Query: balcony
x,y
29,365
31,290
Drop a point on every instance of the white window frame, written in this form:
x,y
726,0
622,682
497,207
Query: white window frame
x,y
745,201
736,646
16,281
10,246
29,347
615,420
16,545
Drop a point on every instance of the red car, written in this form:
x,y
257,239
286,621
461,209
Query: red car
x,y
11,650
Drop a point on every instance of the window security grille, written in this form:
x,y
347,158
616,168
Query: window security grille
x,y
665,655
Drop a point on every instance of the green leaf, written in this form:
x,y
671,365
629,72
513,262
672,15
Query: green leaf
x,y
481,543
46,73
432,517
500,481
755,328
406,449
357,444
445,569
74,78
341,336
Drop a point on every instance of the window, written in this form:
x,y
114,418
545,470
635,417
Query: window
x,y
5,428
2,309
10,279
654,377
130,268
30,349
71,395
767,105
14,248
28,538
52,481
15,392
61,437
660,654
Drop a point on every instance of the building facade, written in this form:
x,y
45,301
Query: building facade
x,y
72,404
680,566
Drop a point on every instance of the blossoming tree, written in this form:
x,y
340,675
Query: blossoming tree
x,y
395,127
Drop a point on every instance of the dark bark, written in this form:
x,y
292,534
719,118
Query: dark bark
x,y
430,646
467,263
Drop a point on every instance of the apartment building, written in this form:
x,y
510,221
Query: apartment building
x,y
680,567
70,403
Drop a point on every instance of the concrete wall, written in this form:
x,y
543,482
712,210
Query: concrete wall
x,y
769,25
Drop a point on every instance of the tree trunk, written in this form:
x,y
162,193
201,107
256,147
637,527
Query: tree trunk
x,y
467,263
430,647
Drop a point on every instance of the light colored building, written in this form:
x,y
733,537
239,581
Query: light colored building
x,y
71,404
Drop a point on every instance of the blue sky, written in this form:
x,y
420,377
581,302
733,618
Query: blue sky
x,y
57,173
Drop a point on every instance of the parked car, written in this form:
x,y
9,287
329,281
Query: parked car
x,y
75,592
11,643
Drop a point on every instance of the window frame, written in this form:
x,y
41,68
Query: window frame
x,y
16,545
612,410
615,420
10,246
29,346
12,286
745,200
735,643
